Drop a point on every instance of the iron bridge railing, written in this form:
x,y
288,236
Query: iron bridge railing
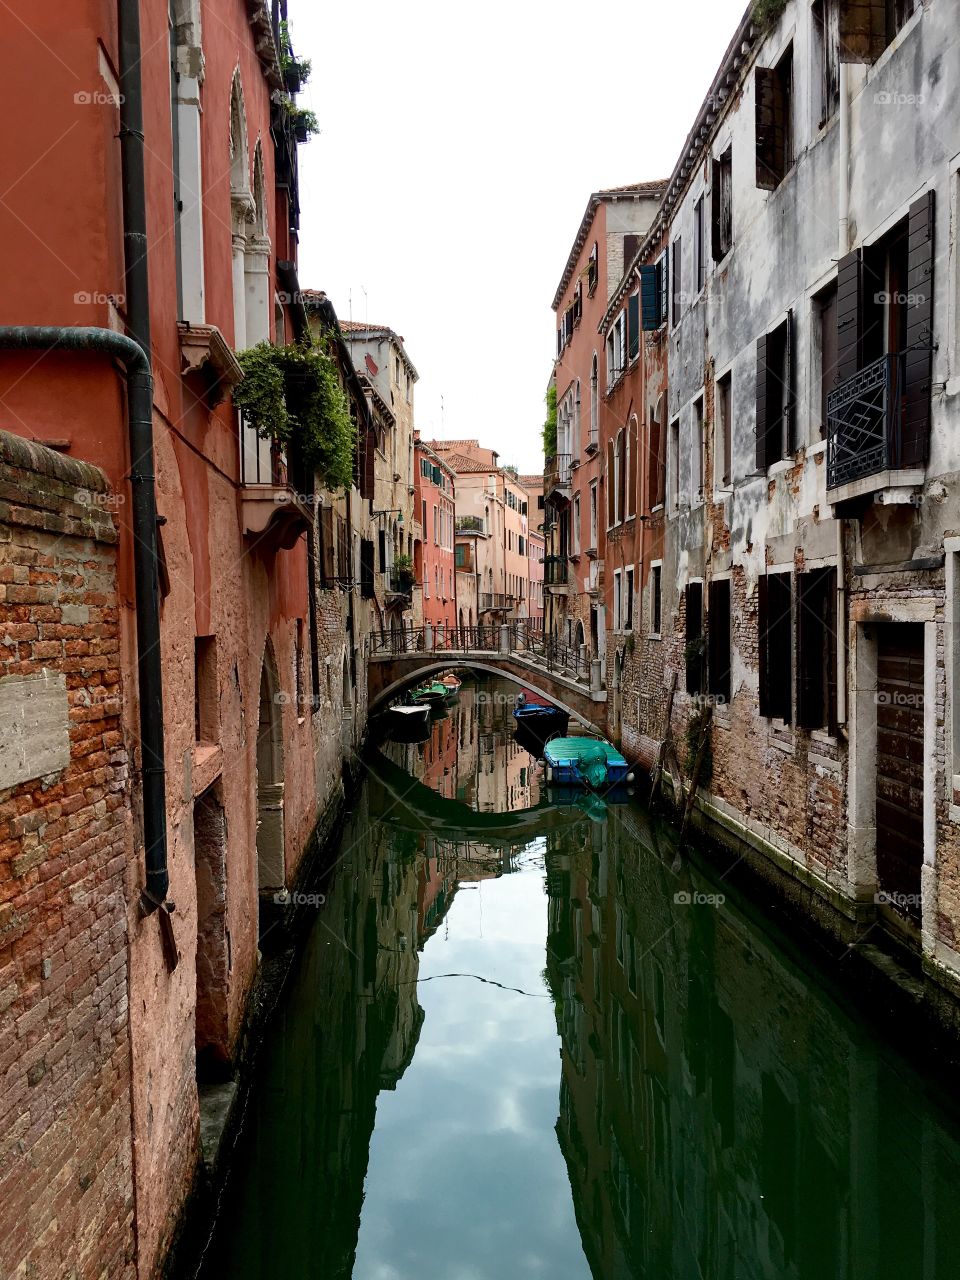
x,y
517,639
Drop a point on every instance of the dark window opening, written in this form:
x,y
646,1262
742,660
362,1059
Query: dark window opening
x,y
699,256
206,698
826,24
724,408
656,599
694,650
817,649
775,395
593,271
774,121
367,590
718,633
721,205
774,606
866,27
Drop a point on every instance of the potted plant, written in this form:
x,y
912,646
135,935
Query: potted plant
x,y
403,572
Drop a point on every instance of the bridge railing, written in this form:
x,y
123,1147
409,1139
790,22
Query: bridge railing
x,y
516,638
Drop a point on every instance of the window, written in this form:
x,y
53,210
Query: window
x,y
656,469
699,257
576,524
629,470
826,36
674,461
775,395
617,601
774,121
593,270
718,635
615,350
577,304
817,649
675,269
699,446
868,26
367,591
206,694
694,649
723,430
656,598
436,528
593,515
382,549
774,604
628,600
721,206
825,312
633,327
594,399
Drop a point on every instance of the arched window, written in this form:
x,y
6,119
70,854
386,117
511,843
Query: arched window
x,y
630,468
619,477
186,78
575,450
594,399
242,207
256,260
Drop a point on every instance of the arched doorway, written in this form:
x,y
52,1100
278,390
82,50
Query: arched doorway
x,y
579,637
271,871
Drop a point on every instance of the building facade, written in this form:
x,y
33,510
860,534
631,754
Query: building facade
x,y
435,484
794,458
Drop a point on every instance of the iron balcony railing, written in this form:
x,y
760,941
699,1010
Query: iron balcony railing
x,y
495,600
559,469
864,422
556,571
470,524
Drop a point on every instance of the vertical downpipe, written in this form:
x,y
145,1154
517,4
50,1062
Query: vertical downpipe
x,y
140,426
843,231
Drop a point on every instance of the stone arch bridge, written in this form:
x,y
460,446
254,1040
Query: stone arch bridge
x,y
555,672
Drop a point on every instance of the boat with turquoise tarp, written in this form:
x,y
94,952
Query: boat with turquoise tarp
x,y
585,762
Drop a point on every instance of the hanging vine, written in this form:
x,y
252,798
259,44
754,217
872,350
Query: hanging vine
x,y
293,395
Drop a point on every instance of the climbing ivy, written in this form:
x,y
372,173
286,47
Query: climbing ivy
x,y
550,425
766,12
293,395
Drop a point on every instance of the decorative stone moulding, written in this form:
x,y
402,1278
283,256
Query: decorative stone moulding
x,y
274,516
203,347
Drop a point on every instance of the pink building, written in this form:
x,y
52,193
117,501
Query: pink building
x,y
535,552
435,486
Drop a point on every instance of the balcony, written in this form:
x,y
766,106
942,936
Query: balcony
x,y
556,575
865,451
558,474
274,515
471,526
593,442
494,600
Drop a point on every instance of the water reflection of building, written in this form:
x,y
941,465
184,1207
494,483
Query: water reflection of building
x,y
719,1116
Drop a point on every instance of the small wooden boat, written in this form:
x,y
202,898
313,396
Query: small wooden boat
x,y
533,714
585,762
407,722
429,694
451,683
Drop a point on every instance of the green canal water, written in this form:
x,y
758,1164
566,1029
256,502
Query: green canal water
x,y
524,1039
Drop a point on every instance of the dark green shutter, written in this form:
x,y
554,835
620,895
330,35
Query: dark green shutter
x,y
918,360
649,297
849,316
774,633
633,326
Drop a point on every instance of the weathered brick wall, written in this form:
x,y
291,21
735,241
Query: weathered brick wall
x,y
66,1200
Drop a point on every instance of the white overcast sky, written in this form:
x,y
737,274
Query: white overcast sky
x,y
458,148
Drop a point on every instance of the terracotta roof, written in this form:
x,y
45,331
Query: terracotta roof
x,y
634,190
463,465
531,480
357,326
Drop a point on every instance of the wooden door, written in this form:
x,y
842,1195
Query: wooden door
x,y
900,765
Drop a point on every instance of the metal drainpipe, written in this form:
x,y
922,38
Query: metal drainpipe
x,y
843,224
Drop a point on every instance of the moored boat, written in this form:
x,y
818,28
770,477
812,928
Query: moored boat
x,y
585,762
428,694
409,722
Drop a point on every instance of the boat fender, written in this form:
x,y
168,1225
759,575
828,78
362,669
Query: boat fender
x,y
549,772
629,777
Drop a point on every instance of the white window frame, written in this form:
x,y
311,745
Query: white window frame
x,y
651,634
617,600
629,597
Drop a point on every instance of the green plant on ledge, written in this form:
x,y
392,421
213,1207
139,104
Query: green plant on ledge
x,y
295,71
766,12
550,425
293,395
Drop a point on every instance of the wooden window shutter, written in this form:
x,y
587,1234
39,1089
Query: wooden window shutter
x,y
327,547
611,484
775,645
769,128
863,30
817,649
693,623
366,569
789,436
716,214
369,462
633,326
344,569
718,639
918,360
654,465
663,273
763,409
649,297
849,315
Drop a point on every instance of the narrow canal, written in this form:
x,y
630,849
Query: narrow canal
x,y
524,1039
